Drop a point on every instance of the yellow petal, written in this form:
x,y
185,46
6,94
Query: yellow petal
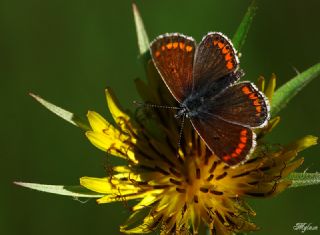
x,y
292,167
99,140
268,189
100,185
131,176
121,197
303,143
147,201
120,117
97,122
108,144
121,169
145,227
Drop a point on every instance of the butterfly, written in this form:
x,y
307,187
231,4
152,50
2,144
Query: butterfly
x,y
204,79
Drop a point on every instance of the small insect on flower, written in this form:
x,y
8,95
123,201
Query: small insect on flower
x,y
203,79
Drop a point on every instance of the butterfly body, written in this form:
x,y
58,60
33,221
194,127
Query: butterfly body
x,y
204,80
201,100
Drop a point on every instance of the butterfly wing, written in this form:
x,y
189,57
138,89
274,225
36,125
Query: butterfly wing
x,y
226,122
242,104
215,58
232,143
173,56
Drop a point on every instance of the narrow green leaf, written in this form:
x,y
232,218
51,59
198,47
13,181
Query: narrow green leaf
x,y
64,114
286,92
269,91
261,83
240,36
72,191
143,41
304,179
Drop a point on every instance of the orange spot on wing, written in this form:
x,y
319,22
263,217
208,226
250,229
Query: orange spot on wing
x,y
246,90
241,145
175,45
229,65
189,48
226,158
228,57
221,45
181,45
256,102
215,42
163,48
253,96
169,45
243,139
225,50
238,151
244,132
258,108
157,53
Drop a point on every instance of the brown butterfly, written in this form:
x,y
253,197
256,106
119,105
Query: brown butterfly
x,y
203,79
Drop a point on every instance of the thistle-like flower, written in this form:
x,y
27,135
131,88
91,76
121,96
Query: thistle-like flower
x,y
185,194
177,195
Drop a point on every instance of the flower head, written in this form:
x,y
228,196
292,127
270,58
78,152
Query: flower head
x,y
179,195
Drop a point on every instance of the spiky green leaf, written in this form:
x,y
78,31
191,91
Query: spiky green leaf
x,y
240,36
64,114
143,40
286,92
72,191
304,179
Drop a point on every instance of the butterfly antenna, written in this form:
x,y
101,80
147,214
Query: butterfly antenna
x,y
180,133
141,104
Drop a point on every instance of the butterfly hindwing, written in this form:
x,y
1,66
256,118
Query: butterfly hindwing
x,y
232,143
173,56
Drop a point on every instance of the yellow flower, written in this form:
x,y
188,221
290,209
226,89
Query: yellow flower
x,y
182,195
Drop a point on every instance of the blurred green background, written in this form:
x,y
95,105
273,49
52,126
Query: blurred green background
x,y
69,51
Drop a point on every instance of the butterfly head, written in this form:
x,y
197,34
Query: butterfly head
x,y
190,107
183,112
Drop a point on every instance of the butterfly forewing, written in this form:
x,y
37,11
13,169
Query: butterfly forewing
x,y
215,58
173,56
